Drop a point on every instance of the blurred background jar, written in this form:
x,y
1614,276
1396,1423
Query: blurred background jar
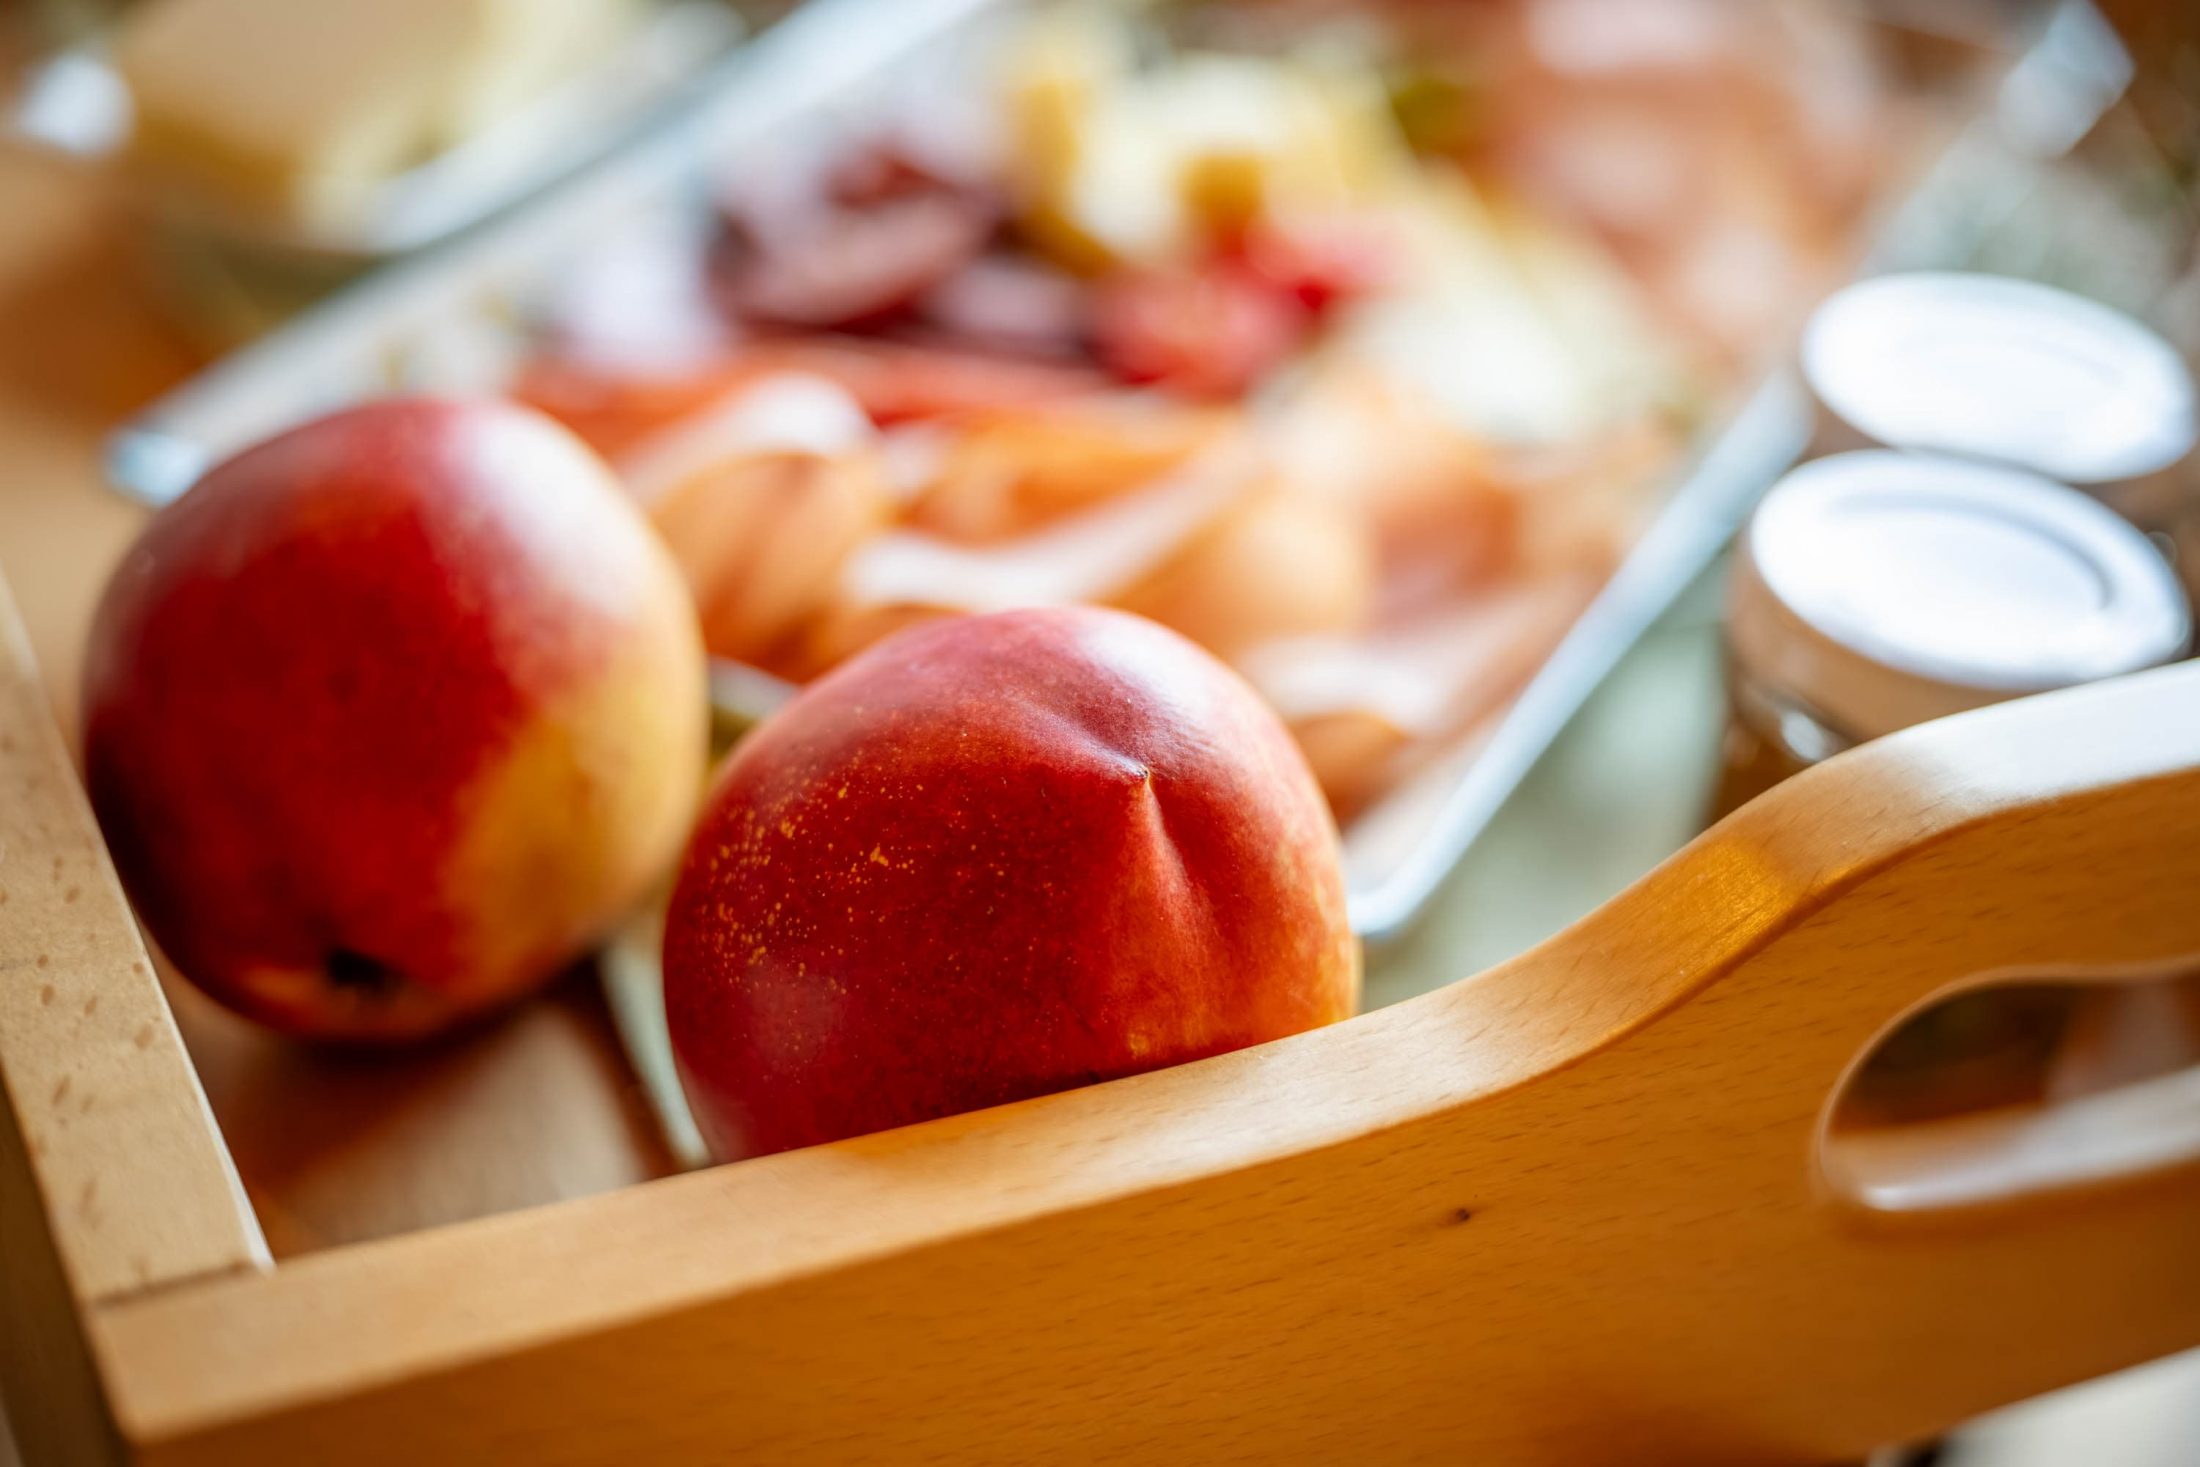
x,y
1875,590
2017,373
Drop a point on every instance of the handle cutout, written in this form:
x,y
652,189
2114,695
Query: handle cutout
x,y
2010,1085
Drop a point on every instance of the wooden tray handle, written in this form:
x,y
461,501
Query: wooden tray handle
x,y
1931,1272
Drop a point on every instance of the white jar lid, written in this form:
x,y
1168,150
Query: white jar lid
x,y
1883,589
2008,370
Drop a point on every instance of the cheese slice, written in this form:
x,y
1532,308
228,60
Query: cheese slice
x,y
300,110
522,46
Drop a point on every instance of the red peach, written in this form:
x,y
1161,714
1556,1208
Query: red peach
x,y
990,858
390,716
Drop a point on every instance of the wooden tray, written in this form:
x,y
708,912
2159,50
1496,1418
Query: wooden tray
x,y
1574,1209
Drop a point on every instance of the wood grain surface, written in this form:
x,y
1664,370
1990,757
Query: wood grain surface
x,y
115,1180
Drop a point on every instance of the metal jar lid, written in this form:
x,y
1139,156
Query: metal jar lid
x,y
1883,589
1988,367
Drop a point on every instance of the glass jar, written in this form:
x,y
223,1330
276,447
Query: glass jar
x,y
2017,373
2005,370
1876,590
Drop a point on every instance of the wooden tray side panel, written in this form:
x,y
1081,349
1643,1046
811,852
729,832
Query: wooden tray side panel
x,y
55,1407
115,1178
1566,1212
